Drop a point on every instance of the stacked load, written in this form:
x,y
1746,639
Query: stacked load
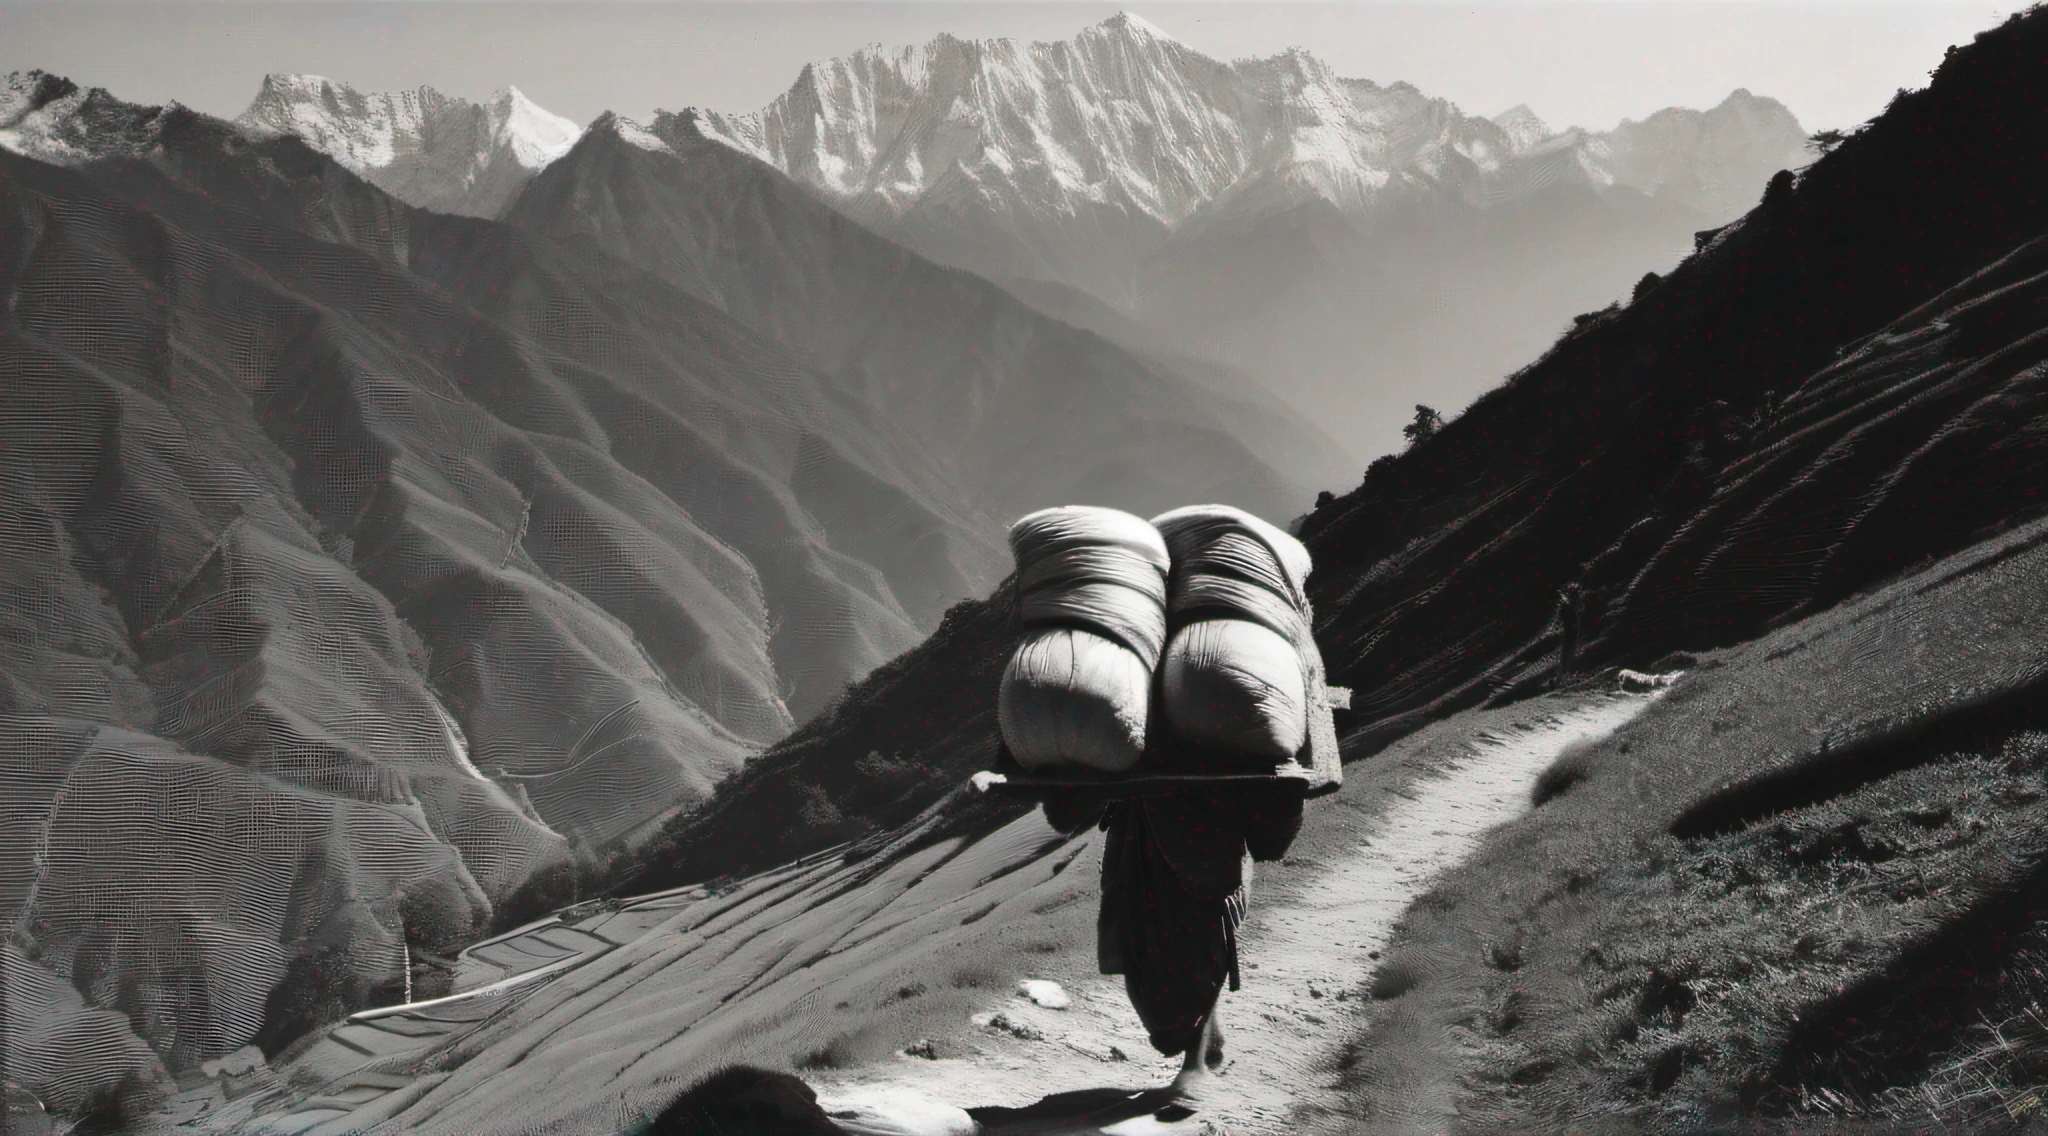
x,y
1091,597
1241,664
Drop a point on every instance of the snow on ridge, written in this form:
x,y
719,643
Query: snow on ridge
x,y
1130,22
534,135
1123,115
369,131
362,132
52,119
635,134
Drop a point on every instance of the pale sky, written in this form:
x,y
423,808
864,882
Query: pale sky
x,y
1575,63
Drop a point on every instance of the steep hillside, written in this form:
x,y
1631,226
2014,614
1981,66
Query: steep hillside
x,y
1834,388
375,574
1802,892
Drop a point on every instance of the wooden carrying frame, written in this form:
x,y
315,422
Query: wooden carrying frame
x,y
1317,769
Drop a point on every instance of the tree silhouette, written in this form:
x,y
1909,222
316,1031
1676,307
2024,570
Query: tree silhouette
x,y
1427,422
1826,140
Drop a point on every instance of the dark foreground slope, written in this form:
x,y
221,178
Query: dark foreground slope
x,y
1803,892
1837,386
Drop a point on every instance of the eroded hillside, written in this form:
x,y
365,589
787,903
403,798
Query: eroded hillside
x,y
380,575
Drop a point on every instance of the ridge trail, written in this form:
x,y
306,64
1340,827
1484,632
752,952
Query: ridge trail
x,y
1318,923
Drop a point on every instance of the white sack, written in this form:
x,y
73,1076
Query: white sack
x,y
1227,562
1236,685
1073,696
1094,568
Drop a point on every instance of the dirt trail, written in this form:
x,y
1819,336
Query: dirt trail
x,y
1317,924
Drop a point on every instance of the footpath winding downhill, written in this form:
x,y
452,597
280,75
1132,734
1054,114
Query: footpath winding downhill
x,y
1312,944
891,983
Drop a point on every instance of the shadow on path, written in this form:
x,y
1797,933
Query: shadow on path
x,y
1087,1111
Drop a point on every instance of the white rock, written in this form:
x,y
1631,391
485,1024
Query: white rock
x,y
891,1110
1638,681
1045,993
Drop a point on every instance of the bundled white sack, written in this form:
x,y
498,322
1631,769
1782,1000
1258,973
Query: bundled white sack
x,y
1241,666
1091,596
1236,685
1072,696
1230,563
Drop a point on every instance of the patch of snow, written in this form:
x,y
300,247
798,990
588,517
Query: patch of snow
x,y
535,136
359,131
638,135
1125,21
1044,993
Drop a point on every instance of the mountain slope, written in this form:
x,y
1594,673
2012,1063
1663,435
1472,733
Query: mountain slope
x,y
376,574
1020,409
384,573
421,146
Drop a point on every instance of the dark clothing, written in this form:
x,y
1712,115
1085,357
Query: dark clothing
x,y
1173,896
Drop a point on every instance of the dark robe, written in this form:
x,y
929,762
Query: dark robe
x,y
1173,896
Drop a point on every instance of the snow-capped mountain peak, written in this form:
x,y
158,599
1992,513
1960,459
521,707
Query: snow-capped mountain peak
x,y
535,136
53,119
362,132
630,132
426,147
1124,23
1524,128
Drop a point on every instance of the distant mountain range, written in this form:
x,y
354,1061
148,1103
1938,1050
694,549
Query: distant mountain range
x,y
421,146
1354,247
1036,141
1357,247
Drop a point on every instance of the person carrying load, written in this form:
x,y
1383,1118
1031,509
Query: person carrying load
x,y
1165,686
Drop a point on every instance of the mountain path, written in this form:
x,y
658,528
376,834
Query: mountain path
x,y
1317,924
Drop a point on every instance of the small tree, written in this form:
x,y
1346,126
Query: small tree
x,y
1427,423
1826,140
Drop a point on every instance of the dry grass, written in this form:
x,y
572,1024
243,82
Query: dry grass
x,y
1798,892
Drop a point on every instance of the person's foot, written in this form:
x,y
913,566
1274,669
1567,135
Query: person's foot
x,y
1213,1055
1194,1083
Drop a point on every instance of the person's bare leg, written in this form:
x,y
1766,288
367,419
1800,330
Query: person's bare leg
x,y
1214,1039
1196,1072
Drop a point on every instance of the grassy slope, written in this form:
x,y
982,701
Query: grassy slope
x,y
1782,891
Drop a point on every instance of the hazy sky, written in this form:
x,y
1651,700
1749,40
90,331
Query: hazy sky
x,y
1591,64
